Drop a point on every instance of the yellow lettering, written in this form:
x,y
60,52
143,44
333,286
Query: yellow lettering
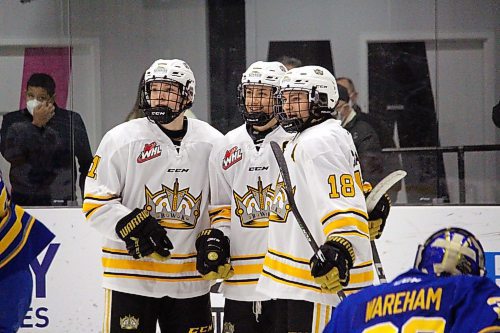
x,y
377,311
409,299
434,297
388,302
193,330
397,303
369,310
420,301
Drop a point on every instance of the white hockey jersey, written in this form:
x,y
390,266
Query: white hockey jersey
x,y
138,166
242,182
326,177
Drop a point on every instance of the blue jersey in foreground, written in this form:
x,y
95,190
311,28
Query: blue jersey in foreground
x,y
419,302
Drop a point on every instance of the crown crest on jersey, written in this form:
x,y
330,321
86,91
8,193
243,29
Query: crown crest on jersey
x,y
253,207
280,207
176,208
129,323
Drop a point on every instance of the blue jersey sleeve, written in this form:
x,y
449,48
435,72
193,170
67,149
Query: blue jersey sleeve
x,y
480,307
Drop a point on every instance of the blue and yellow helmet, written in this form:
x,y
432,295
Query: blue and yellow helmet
x,y
451,251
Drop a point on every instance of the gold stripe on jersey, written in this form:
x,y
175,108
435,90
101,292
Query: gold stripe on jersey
x,y
287,269
90,209
100,197
4,221
331,226
490,329
349,233
152,266
243,282
107,311
289,257
247,269
220,214
290,283
13,232
6,243
336,212
125,252
153,278
249,256
361,277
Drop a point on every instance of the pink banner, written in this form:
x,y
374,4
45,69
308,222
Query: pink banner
x,y
55,61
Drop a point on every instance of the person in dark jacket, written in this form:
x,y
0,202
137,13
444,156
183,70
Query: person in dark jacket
x,y
41,142
365,139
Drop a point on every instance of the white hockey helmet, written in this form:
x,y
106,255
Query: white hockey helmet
x,y
170,71
322,90
259,73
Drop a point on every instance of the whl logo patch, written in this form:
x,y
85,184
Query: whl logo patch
x,y
232,156
150,151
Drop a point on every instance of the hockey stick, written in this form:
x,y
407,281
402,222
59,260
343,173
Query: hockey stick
x,y
280,158
371,201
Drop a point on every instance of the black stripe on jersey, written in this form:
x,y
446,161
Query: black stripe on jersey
x,y
355,289
242,280
348,231
247,258
328,217
126,254
91,211
288,258
216,211
155,276
219,218
363,266
292,282
101,199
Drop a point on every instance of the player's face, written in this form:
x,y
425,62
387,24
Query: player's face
x,y
259,98
296,104
165,94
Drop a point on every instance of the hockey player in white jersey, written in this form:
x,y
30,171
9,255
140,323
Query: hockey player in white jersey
x,y
242,178
147,192
327,182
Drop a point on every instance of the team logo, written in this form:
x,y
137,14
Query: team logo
x,y
318,71
176,208
232,156
253,207
280,207
129,323
150,151
228,327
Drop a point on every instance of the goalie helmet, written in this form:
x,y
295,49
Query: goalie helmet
x,y
265,74
451,251
168,72
322,92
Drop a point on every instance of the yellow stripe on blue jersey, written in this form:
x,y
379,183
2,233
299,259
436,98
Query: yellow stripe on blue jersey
x,y
22,237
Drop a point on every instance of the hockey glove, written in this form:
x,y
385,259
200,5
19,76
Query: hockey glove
x,y
378,216
143,236
333,273
213,258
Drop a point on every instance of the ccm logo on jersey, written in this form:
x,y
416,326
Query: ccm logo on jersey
x,y
150,151
258,168
232,156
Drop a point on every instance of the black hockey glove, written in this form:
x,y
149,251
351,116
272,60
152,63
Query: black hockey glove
x,y
333,274
378,216
213,257
143,236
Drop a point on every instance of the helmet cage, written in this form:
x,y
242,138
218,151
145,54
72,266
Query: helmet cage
x,y
451,251
164,114
256,118
317,109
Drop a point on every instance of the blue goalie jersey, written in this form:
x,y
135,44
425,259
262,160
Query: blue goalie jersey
x,y
418,302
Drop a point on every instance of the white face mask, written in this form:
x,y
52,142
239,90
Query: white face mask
x,y
32,104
